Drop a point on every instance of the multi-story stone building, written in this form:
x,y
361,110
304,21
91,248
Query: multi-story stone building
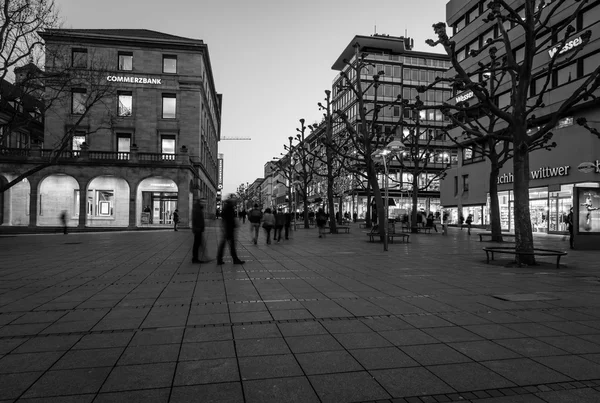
x,y
148,146
554,175
404,69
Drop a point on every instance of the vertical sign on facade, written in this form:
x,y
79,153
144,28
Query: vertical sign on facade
x,y
220,173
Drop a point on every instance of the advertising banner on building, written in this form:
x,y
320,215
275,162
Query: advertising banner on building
x,y
589,210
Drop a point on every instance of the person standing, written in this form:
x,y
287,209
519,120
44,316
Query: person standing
x,y
268,223
288,224
469,222
431,222
570,228
255,217
175,219
321,221
198,231
63,221
279,223
229,226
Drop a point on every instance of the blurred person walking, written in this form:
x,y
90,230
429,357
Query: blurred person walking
x,y
229,226
255,217
268,222
198,227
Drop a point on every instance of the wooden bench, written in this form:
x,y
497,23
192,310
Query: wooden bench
x,y
344,228
491,250
426,230
391,235
489,235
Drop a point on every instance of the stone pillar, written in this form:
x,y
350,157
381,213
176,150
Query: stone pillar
x,y
133,215
82,202
133,154
84,153
183,156
183,197
34,182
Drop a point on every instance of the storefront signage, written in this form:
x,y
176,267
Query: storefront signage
x,y
464,97
589,167
134,80
572,44
220,174
541,173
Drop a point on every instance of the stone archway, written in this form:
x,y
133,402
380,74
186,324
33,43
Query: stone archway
x,y
156,199
107,202
3,181
58,192
14,202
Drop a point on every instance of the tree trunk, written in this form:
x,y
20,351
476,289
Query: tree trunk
x,y
523,229
330,181
368,221
305,201
415,201
495,223
373,180
339,220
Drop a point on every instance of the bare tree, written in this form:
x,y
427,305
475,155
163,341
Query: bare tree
x,y
534,28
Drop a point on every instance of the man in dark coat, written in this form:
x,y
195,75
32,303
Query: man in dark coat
x,y
229,225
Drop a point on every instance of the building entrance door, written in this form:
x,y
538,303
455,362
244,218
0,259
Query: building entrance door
x,y
164,204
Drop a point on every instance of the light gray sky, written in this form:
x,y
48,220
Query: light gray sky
x,y
271,59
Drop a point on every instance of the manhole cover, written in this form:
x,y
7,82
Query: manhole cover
x,y
524,297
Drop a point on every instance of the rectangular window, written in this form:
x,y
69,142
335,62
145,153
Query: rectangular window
x,y
414,75
460,24
397,71
123,145
473,14
78,57
167,147
566,74
77,140
78,101
126,61
423,75
490,34
104,203
169,64
388,70
504,100
125,103
465,183
169,106
406,74
590,63
461,55
590,16
538,84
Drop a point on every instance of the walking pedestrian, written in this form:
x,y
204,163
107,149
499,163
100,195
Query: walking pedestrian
x,y
279,223
430,222
268,223
321,221
570,228
229,225
469,221
255,217
63,221
175,219
288,224
198,227
243,214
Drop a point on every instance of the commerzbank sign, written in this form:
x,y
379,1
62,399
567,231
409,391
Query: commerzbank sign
x,y
134,80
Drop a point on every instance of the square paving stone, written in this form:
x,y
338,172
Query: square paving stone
x,y
146,376
255,347
407,337
207,350
137,396
207,334
278,390
494,331
206,371
269,366
451,334
213,319
30,329
250,317
68,382
432,354
572,344
13,385
347,387
587,395
383,324
107,340
101,357
255,331
212,393
310,344
423,321
362,340
381,358
572,366
247,307
402,382
48,343
484,350
88,398
469,376
7,345
464,318
524,371
327,362
149,354
28,362
160,336
301,329
534,329
512,399
530,347
291,314
346,326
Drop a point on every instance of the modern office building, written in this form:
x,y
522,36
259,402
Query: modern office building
x,y
145,119
404,69
554,175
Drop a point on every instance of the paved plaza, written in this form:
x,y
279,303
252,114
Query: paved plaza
x,y
126,317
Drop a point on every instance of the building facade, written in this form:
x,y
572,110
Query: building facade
x,y
555,175
404,70
136,132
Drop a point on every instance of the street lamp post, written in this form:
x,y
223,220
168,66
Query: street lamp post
x,y
290,177
390,149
